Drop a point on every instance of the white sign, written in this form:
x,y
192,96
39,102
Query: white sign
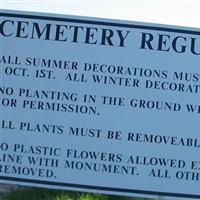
x,y
99,105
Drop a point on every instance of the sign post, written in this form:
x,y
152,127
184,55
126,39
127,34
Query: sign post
x,y
99,105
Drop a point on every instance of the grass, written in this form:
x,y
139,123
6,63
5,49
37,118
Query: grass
x,y
46,194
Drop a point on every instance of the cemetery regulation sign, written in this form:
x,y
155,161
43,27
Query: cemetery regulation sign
x,y
99,105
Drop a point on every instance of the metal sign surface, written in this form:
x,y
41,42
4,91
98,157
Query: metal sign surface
x,y
99,105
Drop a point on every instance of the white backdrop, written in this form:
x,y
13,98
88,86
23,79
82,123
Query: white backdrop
x,y
174,12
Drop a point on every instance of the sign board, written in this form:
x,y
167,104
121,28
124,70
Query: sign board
x,y
99,105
